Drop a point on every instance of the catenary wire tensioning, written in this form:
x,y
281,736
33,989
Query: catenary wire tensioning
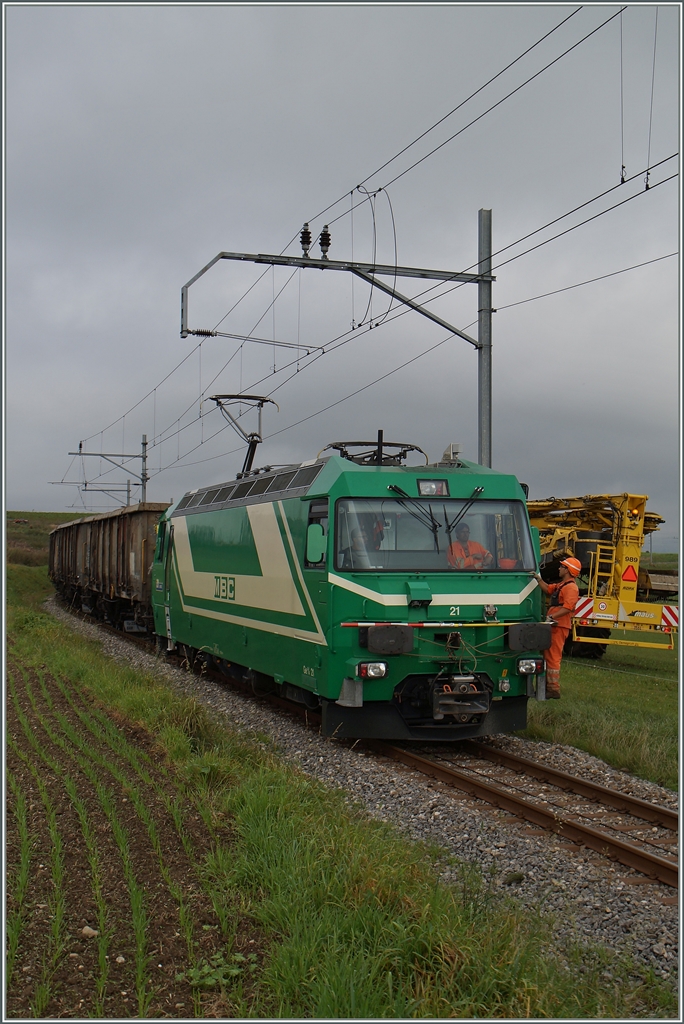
x,y
550,223
510,245
532,298
448,337
560,234
530,234
432,348
327,348
584,38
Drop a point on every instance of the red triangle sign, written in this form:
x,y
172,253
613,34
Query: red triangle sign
x,y
629,575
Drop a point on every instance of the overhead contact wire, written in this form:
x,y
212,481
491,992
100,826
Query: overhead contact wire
x,y
449,114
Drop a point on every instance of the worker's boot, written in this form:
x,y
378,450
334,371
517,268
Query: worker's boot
x,y
552,684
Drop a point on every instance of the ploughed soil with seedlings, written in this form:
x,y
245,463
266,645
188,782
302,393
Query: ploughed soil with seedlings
x,y
105,917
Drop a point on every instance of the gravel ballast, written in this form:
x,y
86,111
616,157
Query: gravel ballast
x,y
589,897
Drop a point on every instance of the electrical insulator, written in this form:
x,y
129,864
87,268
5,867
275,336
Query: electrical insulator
x,y
305,239
325,242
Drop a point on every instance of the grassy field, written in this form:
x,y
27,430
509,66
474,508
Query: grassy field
x,y
624,708
659,560
28,533
159,864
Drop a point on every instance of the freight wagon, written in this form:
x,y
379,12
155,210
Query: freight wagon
x,y
101,564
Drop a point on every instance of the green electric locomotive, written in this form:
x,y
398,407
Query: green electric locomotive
x,y
395,599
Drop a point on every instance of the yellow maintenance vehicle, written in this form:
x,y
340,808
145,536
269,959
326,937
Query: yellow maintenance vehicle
x,y
606,533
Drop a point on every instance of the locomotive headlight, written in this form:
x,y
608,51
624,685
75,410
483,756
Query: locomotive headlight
x,y
504,686
371,669
530,666
433,488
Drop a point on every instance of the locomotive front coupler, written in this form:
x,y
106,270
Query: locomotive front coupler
x,y
459,695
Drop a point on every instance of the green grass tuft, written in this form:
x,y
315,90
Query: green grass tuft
x,y
623,709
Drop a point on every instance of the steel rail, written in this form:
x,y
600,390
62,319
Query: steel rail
x,y
664,869
593,790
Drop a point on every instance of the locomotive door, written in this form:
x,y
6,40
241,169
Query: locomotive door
x,y
161,581
168,553
316,560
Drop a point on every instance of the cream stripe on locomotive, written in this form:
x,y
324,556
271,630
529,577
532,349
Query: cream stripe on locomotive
x,y
438,600
274,590
264,627
295,562
241,620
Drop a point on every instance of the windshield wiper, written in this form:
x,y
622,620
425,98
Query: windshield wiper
x,y
464,511
418,511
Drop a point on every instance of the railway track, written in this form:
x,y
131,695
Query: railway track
x,y
602,819
583,812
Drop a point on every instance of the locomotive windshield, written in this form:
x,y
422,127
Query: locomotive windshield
x,y
438,535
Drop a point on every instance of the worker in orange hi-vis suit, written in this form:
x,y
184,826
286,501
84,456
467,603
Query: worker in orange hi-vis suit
x,y
564,596
465,553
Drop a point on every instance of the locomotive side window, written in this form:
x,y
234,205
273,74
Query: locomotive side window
x,y
394,535
306,476
282,481
209,497
261,485
316,535
224,494
242,489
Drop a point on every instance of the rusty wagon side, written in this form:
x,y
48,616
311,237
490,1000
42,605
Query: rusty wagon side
x,y
101,564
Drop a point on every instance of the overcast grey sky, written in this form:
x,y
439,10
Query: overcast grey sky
x,y
142,140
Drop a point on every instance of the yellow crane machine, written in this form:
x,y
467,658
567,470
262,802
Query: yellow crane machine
x,y
606,533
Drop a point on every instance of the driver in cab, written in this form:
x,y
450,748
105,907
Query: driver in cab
x,y
356,555
468,554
